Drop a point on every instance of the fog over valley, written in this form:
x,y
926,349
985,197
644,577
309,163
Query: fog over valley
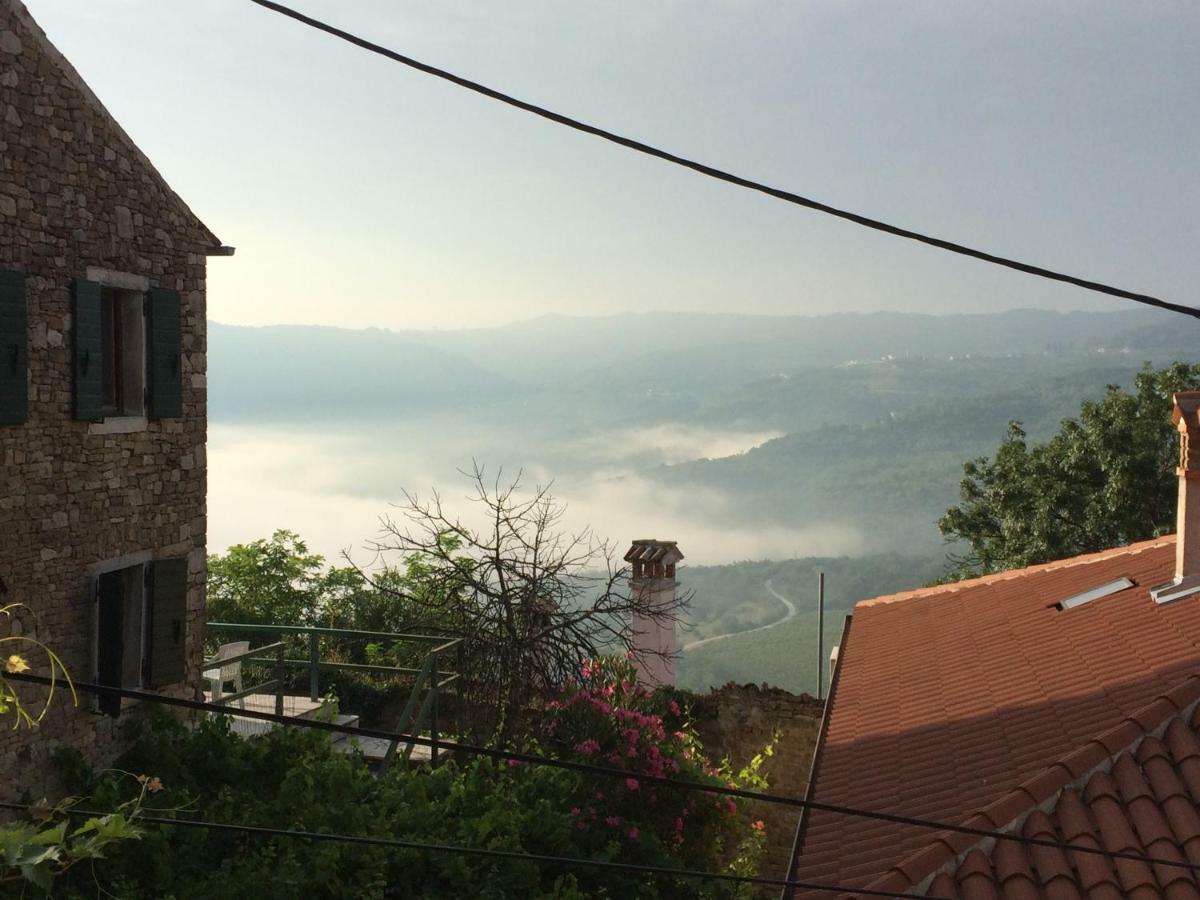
x,y
829,443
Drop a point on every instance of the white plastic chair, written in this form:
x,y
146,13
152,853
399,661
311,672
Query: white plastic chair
x,y
217,678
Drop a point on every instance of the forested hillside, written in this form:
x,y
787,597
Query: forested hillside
x,y
738,597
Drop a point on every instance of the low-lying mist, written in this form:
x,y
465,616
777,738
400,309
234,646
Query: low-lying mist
x,y
332,487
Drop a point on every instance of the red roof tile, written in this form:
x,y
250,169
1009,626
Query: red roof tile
x,y
1139,806
949,698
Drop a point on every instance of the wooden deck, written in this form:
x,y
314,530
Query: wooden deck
x,y
373,749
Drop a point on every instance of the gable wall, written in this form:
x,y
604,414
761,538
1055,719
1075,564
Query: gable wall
x,y
75,193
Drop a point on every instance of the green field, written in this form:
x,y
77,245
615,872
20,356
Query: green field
x,y
734,598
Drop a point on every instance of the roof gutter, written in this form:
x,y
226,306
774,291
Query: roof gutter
x,y
220,250
810,790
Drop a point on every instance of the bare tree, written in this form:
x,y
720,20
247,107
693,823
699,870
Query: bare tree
x,y
529,599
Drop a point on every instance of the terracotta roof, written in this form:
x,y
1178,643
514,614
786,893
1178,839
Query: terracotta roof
x,y
1133,789
949,698
652,551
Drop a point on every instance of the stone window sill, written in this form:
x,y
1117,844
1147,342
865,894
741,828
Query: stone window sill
x,y
119,425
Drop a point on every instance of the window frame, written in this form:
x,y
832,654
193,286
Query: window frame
x,y
135,567
128,347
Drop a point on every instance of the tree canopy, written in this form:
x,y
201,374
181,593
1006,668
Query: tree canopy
x,y
1105,479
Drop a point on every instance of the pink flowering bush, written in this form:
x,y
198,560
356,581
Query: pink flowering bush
x,y
605,717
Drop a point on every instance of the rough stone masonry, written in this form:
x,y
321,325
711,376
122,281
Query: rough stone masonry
x,y
79,200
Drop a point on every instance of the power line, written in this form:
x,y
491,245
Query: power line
x,y
728,177
399,844
448,746
591,769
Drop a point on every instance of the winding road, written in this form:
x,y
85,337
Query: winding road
x,y
791,611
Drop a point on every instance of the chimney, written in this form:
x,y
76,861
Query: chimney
x,y
1187,522
653,587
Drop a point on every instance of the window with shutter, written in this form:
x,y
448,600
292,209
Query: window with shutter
x,y
14,362
164,350
110,638
87,338
122,631
167,634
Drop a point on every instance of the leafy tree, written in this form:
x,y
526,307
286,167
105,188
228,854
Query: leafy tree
x,y
280,582
274,581
1105,479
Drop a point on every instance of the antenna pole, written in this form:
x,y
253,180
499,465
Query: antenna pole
x,y
820,633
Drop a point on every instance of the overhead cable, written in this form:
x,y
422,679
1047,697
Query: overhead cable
x,y
721,175
608,771
520,856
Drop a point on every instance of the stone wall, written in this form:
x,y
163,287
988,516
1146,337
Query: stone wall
x,y
76,194
737,721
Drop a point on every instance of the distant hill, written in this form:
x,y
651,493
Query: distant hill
x,y
891,473
298,372
716,368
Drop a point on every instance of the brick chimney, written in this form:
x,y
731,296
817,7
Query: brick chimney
x,y
1187,522
653,586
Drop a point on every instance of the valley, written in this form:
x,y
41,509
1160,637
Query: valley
x,y
771,448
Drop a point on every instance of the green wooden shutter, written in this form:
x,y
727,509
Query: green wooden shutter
x,y
167,634
14,360
88,351
164,339
110,637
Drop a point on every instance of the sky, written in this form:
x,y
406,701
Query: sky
x,y
360,193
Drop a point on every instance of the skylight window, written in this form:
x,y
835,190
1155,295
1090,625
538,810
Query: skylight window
x,y
1096,593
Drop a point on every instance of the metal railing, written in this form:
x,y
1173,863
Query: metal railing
x,y
430,679
413,718
275,685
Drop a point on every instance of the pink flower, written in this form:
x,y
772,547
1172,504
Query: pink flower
x,y
633,833
614,821
575,810
675,711
631,783
588,747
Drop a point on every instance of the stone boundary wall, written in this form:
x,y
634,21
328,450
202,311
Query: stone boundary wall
x,y
737,721
75,193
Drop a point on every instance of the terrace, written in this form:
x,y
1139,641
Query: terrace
x,y
396,682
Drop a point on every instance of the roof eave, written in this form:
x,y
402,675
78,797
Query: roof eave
x,y
814,766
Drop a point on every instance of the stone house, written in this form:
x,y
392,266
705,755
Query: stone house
x,y
102,400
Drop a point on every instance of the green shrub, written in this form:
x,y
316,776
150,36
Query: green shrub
x,y
293,779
